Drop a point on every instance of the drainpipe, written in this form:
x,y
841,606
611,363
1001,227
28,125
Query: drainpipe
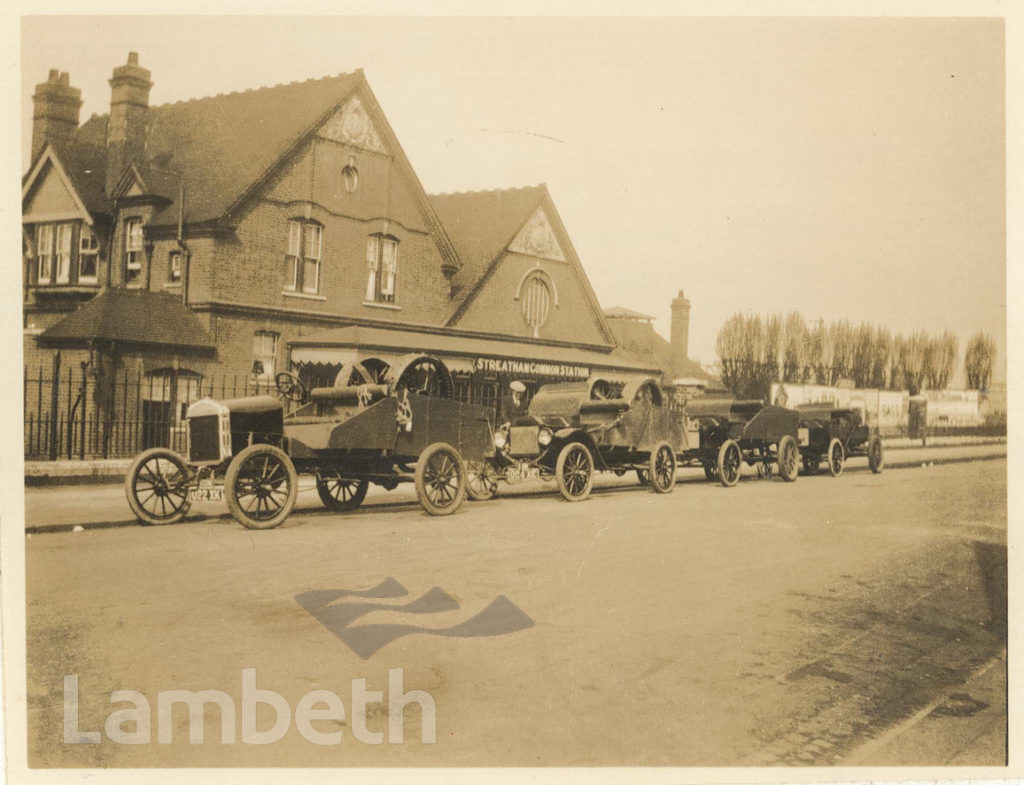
x,y
186,254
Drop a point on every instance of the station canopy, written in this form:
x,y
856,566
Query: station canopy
x,y
463,353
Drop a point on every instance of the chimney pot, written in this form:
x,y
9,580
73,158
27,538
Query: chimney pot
x,y
129,113
55,111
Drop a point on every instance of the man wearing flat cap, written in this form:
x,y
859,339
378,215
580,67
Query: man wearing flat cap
x,y
512,405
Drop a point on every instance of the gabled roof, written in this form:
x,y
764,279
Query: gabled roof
x,y
220,149
638,339
79,182
481,224
618,312
131,317
223,144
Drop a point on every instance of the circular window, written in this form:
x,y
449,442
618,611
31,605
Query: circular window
x,y
535,301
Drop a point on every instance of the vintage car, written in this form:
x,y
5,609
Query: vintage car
x,y
573,429
378,423
834,434
728,432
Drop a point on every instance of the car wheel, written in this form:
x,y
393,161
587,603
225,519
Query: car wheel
x,y
836,457
730,460
440,479
157,486
340,494
789,458
574,471
261,486
481,480
876,454
662,468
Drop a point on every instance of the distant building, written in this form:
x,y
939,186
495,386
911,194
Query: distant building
x,y
283,229
637,338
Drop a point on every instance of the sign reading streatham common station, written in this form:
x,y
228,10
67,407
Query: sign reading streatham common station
x,y
531,369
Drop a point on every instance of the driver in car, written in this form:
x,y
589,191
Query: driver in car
x,y
512,406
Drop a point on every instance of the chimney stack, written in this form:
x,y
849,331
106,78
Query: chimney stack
x,y
680,338
129,116
55,113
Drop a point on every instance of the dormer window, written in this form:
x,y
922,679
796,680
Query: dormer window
x,y
132,250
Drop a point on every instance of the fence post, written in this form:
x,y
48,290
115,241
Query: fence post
x,y
85,410
54,403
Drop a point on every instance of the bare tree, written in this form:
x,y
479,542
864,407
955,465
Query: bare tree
x,y
863,354
897,361
729,345
880,357
915,361
794,348
942,356
979,359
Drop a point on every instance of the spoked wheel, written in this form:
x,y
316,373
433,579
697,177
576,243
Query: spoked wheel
x,y
789,458
729,462
710,471
157,487
641,475
290,387
340,494
836,457
261,486
440,479
662,468
876,454
812,464
574,471
424,375
481,480
764,470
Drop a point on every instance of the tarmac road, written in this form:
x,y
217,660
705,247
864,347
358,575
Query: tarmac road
x,y
767,624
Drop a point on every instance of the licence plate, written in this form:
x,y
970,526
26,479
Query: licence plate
x,y
522,472
206,494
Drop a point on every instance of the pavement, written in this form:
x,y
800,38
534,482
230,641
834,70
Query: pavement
x,y
62,508
826,622
98,471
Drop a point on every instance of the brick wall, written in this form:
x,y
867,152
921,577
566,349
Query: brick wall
x,y
250,267
494,310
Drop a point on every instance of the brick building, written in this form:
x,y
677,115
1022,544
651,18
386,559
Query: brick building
x,y
283,228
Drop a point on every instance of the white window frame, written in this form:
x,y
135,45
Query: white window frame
x,y
133,242
174,266
88,248
293,256
62,253
260,352
313,236
302,260
382,268
44,253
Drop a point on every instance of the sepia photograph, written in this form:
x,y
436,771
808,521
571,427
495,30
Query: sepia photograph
x,y
573,393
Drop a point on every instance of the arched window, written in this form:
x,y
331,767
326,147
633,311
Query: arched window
x,y
536,296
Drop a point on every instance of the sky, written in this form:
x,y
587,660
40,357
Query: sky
x,y
842,167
